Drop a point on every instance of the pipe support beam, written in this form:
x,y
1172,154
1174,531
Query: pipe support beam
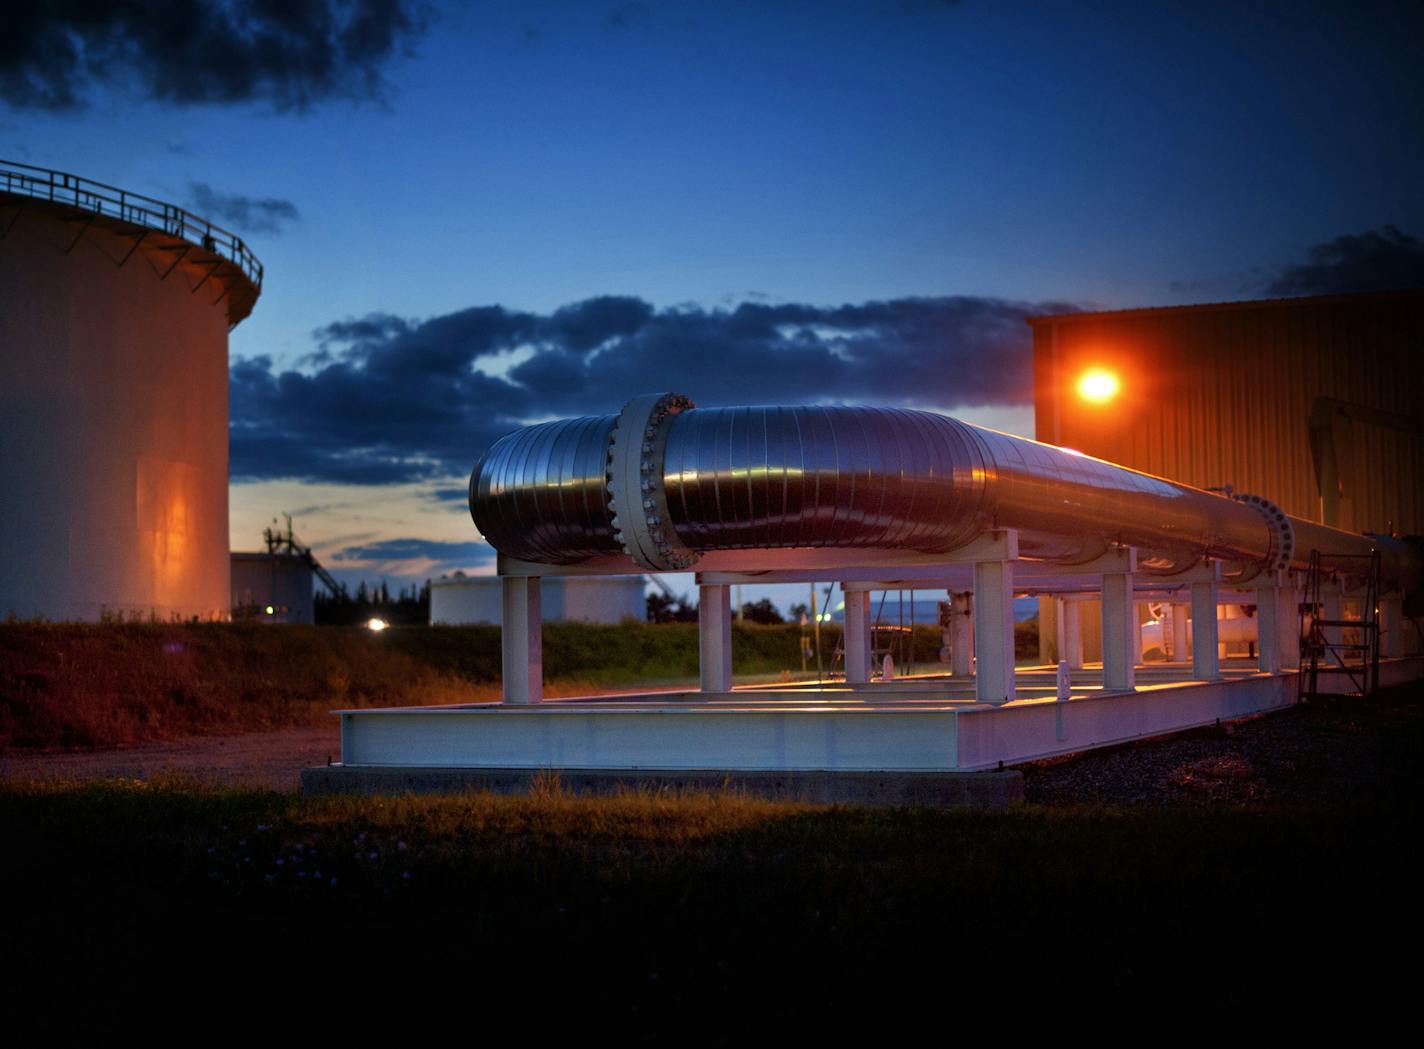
x,y
521,640
714,637
994,631
1119,624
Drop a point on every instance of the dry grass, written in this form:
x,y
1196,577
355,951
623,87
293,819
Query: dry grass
x,y
699,917
71,686
646,910
88,686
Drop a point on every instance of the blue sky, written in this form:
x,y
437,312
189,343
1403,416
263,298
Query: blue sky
x,y
958,165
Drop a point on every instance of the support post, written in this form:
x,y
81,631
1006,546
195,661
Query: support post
x,y
1119,626
857,636
1137,633
1290,622
714,636
521,643
1073,635
1332,607
1050,629
1206,666
961,633
994,631
1267,630
1391,625
1277,625
1177,617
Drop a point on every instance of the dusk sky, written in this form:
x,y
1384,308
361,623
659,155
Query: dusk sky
x,y
475,216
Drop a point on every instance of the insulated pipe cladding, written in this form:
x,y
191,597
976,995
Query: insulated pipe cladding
x,y
664,482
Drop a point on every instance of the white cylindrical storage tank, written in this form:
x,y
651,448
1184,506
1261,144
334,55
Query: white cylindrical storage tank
x,y
114,317
588,599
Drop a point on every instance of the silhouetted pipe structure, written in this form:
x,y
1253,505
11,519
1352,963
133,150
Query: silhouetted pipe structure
x,y
665,482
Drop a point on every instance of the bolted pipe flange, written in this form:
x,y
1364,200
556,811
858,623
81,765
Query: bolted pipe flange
x,y
1283,549
637,499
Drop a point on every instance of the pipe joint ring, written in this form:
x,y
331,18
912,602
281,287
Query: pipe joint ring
x,y
637,498
1283,532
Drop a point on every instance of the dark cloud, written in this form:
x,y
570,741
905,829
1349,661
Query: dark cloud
x,y
450,495
417,550
590,324
389,400
358,421
246,214
54,53
406,559
1380,260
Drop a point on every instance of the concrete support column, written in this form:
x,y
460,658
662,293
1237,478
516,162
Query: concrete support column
x,y
714,636
1119,626
1072,635
1267,630
994,631
857,636
1050,629
1277,626
961,633
1205,664
521,642
1177,616
1290,623
1391,627
1137,610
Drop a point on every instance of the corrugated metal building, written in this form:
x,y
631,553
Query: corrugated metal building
x,y
1314,403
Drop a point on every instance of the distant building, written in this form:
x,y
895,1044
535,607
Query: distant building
x,y
273,588
1314,403
460,599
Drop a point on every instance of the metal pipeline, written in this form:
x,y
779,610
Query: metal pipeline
x,y
665,482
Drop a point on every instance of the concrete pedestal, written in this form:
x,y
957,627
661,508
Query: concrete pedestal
x,y
714,637
521,644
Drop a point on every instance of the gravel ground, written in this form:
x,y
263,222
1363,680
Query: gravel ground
x,y
1348,750
1318,754
269,760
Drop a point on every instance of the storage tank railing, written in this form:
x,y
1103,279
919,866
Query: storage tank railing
x,y
61,187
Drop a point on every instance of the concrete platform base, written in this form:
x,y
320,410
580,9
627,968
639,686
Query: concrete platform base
x,y
988,790
907,741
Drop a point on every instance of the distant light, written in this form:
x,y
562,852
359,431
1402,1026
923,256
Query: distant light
x,y
376,624
1098,386
269,610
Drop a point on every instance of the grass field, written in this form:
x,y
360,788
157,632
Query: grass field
x,y
102,685
642,915
87,686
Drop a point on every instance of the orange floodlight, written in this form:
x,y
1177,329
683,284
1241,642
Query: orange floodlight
x,y
1098,385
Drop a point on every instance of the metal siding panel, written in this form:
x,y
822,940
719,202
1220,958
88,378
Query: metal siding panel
x,y
1242,382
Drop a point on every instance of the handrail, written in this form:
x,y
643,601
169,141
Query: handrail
x,y
64,188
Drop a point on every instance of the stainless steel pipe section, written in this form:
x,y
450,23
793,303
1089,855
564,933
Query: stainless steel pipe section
x,y
541,493
870,478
